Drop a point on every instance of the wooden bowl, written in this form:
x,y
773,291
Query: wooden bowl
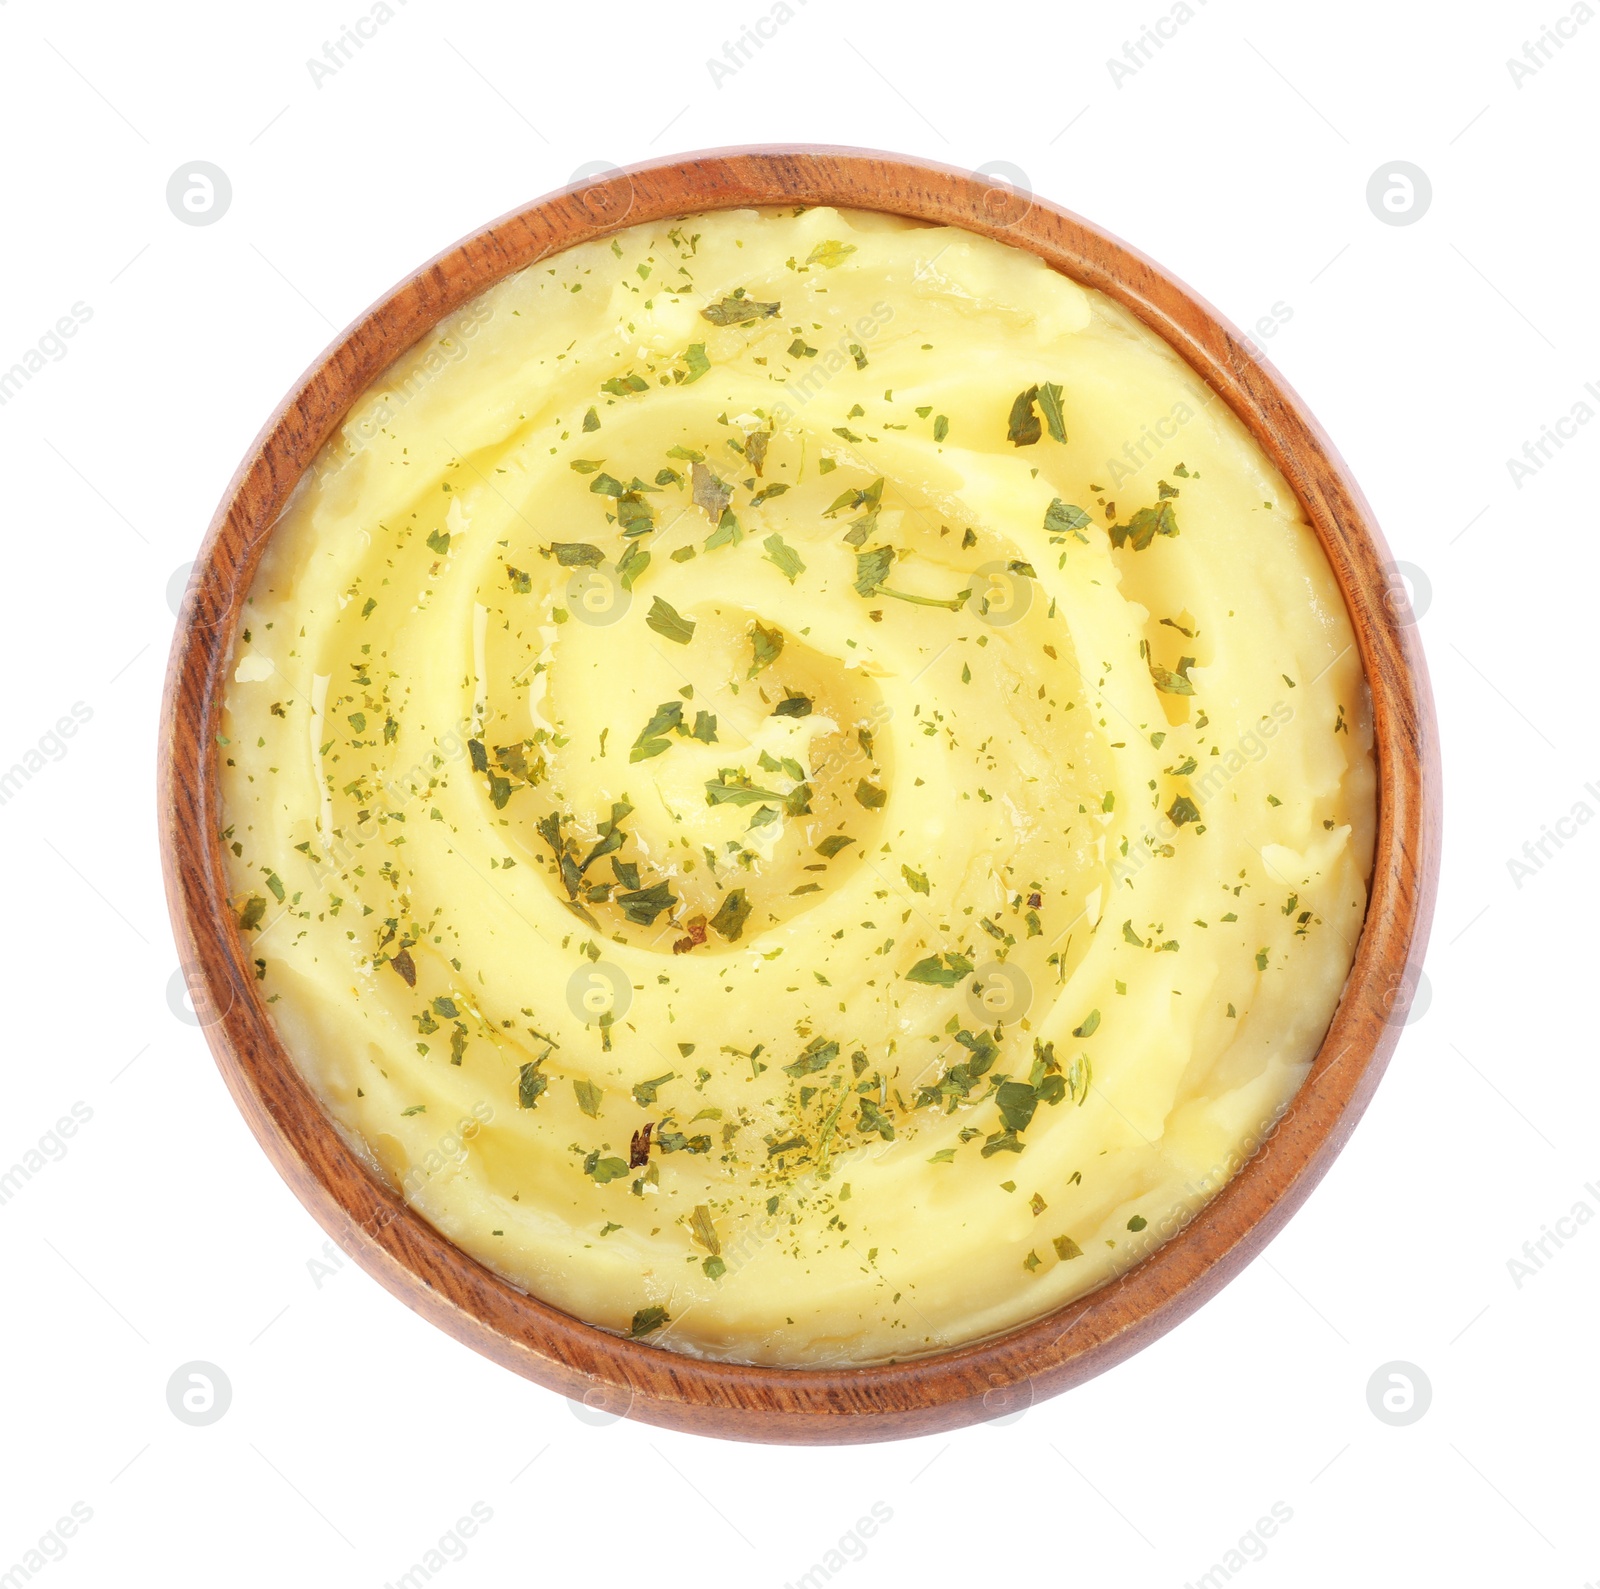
x,y
967,1384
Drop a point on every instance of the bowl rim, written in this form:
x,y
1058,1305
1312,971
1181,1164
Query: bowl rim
x,y
980,1380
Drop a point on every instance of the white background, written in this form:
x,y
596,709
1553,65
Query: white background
x,y
1239,156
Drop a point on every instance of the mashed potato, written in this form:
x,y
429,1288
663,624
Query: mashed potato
x,y
799,784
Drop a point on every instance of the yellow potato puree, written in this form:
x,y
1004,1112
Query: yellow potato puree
x,y
799,785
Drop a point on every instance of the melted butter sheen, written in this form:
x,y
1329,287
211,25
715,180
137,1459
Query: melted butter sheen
x,y
769,845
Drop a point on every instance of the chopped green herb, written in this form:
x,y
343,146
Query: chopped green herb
x,y
703,1230
694,356
633,562
665,619
940,971
738,310
1050,404
1023,428
783,557
1183,810
651,741
731,916
830,253
530,1085
642,905
766,646
1065,518
1144,527
1169,683
872,568
729,532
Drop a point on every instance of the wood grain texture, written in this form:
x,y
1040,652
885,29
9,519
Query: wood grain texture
x,y
960,1386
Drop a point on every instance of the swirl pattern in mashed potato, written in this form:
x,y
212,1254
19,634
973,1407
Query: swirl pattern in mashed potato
x,y
799,785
